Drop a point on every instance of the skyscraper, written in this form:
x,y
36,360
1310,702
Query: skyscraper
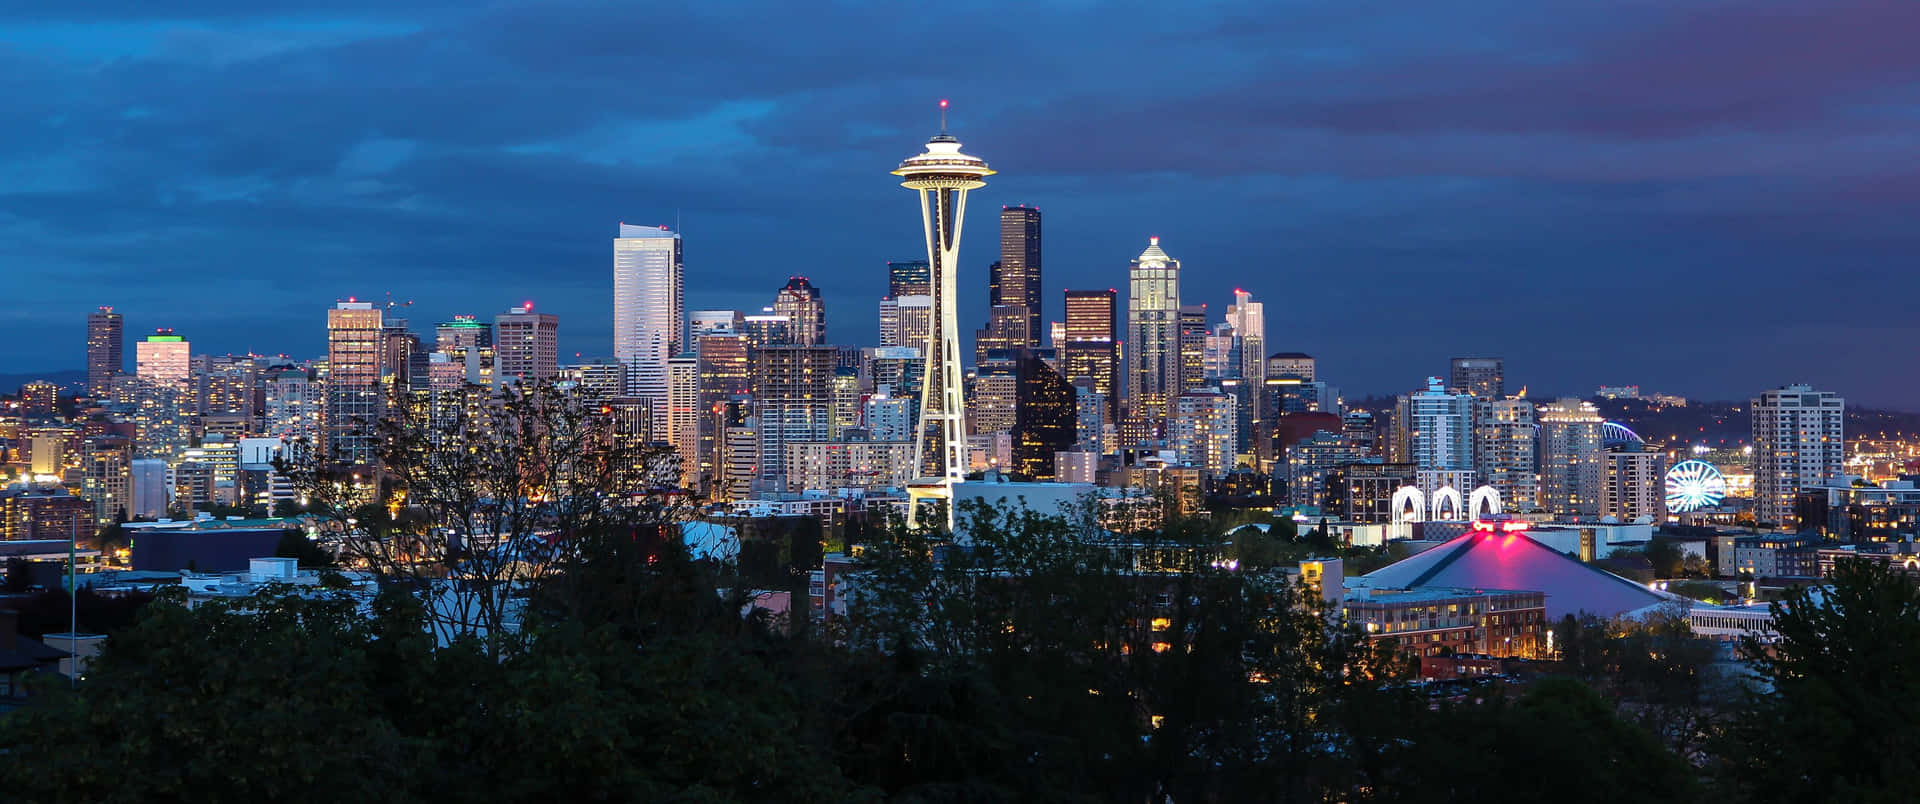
x,y
800,302
909,278
354,400
1440,428
1205,430
105,351
1632,484
1193,347
715,322
1799,441
649,311
1298,365
942,175
403,361
683,415
793,398
1249,321
528,346
993,396
1091,349
1044,416
726,374
1484,377
163,358
462,332
1153,326
1571,475
1019,274
1506,439
1221,358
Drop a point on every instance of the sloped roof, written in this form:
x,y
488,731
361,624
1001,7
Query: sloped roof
x,y
1483,560
1153,252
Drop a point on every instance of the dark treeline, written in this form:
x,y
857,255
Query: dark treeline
x,y
1032,667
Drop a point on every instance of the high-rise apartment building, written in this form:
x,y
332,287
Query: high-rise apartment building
x,y
105,351
683,415
889,417
106,462
595,378
163,358
1093,418
1571,475
527,346
294,406
1439,428
1205,430
355,339
846,407
1153,326
39,398
915,322
793,400
1092,348
1310,461
800,302
1633,476
1505,444
630,421
993,397
1483,377
726,374
649,310
1799,441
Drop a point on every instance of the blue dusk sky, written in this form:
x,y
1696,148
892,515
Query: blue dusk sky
x,y
1706,198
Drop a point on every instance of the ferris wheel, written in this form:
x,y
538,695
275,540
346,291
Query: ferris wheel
x,y
1693,485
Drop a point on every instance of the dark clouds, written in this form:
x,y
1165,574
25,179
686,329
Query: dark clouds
x,y
1705,198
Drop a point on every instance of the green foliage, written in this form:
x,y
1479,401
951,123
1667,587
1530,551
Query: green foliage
x,y
1841,722
230,701
298,697
1560,741
1703,591
1667,558
1053,662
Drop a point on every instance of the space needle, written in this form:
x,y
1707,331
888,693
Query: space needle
x,y
942,175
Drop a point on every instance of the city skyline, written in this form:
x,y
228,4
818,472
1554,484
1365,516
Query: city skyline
x,y
1383,199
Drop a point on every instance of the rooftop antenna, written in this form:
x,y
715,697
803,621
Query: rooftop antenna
x,y
943,115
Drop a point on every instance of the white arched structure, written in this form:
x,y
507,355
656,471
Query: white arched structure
x,y
1486,497
1447,505
1409,505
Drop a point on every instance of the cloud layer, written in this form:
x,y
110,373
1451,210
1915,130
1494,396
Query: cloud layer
x,y
1705,198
